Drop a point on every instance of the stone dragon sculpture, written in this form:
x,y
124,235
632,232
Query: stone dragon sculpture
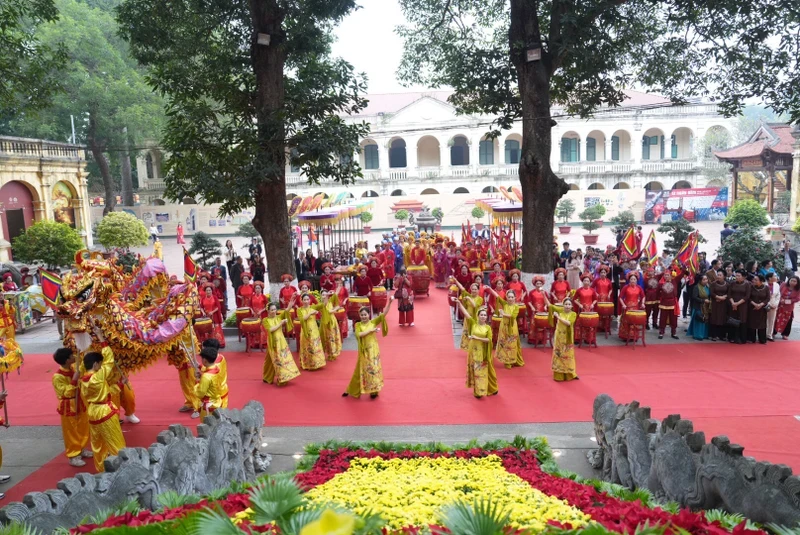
x,y
226,449
675,463
143,315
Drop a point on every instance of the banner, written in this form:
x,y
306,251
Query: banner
x,y
693,204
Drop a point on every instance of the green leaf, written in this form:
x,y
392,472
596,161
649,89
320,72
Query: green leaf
x,y
275,500
53,244
121,229
481,517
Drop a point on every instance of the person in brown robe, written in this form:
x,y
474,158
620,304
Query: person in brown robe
x,y
738,303
719,307
757,313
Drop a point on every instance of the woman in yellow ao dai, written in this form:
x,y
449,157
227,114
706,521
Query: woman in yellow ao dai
x,y
368,376
279,364
312,355
509,350
481,376
330,332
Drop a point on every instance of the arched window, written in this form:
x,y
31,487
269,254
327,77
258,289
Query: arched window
x,y
148,161
397,154
459,151
461,190
512,151
371,159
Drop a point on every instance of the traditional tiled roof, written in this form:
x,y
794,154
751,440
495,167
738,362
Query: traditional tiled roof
x,y
775,137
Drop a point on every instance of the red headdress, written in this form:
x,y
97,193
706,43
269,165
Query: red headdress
x,y
327,265
451,244
207,285
601,268
304,285
497,263
538,278
516,272
560,270
286,277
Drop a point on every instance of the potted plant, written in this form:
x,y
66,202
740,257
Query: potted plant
x,y
439,215
601,211
401,216
564,211
366,217
589,218
478,213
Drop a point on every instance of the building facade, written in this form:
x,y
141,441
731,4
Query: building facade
x,y
41,180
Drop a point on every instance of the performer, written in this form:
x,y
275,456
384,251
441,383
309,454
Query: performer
x,y
245,292
404,293
667,299
470,301
279,365
509,350
368,376
158,249
440,265
222,364
179,234
602,285
560,287
375,273
790,295
8,283
330,333
8,319
286,293
585,296
516,284
563,363
123,395
497,273
258,303
463,276
481,377
211,309
187,380
362,284
208,389
388,264
312,356
631,297
491,300
74,418
305,288
536,301
326,282
344,296
104,429
651,301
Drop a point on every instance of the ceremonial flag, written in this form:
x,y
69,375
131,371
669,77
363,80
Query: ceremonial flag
x,y
51,288
189,266
687,256
629,248
650,249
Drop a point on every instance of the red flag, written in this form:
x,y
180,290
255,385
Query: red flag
x,y
650,249
189,266
51,288
629,247
687,256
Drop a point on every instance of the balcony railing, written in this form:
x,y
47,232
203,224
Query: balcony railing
x,y
38,149
622,167
432,173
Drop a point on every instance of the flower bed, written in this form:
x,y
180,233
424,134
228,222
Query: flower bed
x,y
410,488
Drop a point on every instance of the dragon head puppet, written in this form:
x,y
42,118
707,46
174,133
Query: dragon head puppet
x,y
141,316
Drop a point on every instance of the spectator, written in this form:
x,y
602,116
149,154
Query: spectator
x,y
565,254
154,232
254,249
725,232
789,260
258,269
236,274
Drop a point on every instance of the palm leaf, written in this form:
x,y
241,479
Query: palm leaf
x,y
19,529
275,500
481,517
216,522
171,499
294,523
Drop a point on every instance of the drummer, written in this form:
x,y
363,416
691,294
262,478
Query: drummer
x,y
362,285
326,282
497,272
375,273
287,291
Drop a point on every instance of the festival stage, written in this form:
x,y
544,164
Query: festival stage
x,y
746,392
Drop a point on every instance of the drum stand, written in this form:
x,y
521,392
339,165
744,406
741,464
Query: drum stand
x,y
589,335
635,333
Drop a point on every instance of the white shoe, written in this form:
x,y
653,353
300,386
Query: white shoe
x,y
411,324
87,454
185,408
4,479
76,461
132,419
195,414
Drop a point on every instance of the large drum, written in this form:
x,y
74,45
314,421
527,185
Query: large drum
x,y
589,320
636,317
242,313
341,315
542,320
522,318
605,309
203,327
378,298
251,326
420,279
354,304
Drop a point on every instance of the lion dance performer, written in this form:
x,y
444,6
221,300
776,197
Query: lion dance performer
x,y
71,407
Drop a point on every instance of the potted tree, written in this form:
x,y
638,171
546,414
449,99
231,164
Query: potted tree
x,y
564,211
366,217
439,215
401,216
478,214
589,218
601,211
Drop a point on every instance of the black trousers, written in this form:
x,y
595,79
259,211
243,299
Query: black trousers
x,y
718,331
687,300
615,297
760,334
738,333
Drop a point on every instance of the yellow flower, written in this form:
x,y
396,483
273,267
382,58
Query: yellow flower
x,y
331,523
241,516
411,492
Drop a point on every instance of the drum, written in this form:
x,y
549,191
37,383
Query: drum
x,y
636,317
452,295
341,315
420,279
475,271
251,325
589,319
378,298
354,304
203,326
242,313
605,309
541,320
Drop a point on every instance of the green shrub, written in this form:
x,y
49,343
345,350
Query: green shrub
x,y
121,229
747,213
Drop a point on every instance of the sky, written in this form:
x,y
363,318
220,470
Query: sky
x,y
367,40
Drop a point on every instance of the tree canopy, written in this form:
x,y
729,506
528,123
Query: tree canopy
x,y
104,89
29,69
583,57
238,108
121,229
53,244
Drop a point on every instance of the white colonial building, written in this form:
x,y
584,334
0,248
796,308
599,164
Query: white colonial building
x,y
418,146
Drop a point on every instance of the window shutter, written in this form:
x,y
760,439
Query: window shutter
x,y
591,149
645,148
662,147
674,142
615,148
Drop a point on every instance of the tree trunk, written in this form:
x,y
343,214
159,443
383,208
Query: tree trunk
x,y
272,216
97,148
125,170
541,188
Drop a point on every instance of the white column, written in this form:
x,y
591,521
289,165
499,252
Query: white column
x,y
444,157
607,150
411,156
475,153
795,176
383,157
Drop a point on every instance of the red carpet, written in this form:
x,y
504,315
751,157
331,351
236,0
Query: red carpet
x,y
717,385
